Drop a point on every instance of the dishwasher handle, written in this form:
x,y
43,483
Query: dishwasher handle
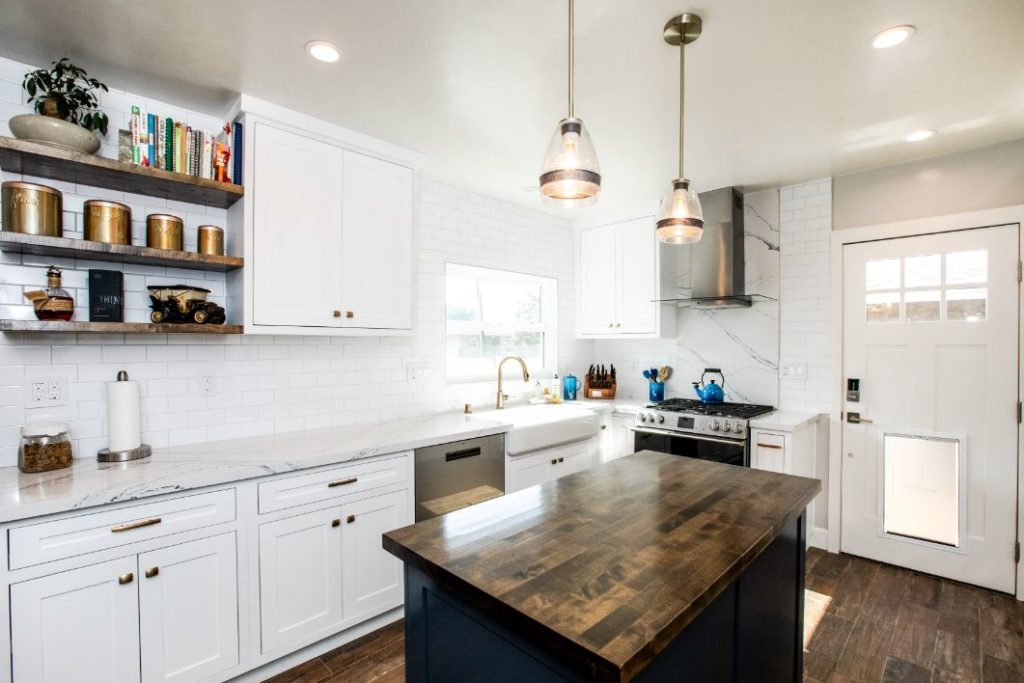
x,y
464,453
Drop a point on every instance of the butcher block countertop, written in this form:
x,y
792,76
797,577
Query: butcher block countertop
x,y
604,568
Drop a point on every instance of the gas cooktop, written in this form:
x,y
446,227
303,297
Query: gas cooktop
x,y
689,405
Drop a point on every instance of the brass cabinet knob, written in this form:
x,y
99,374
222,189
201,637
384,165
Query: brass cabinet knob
x,y
350,314
554,461
152,571
350,519
337,314
611,324
335,522
618,324
126,578
561,460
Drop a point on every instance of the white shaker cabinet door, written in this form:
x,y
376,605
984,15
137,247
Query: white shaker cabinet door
x,y
188,596
377,240
78,626
597,281
300,577
372,576
525,471
297,194
638,277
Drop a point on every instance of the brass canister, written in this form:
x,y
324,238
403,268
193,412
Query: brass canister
x,y
32,209
211,240
108,222
164,231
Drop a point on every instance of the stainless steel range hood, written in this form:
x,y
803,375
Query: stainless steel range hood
x,y
717,269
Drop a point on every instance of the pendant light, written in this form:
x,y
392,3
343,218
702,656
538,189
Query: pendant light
x,y
681,220
570,175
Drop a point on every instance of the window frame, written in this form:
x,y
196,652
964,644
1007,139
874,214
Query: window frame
x,y
548,325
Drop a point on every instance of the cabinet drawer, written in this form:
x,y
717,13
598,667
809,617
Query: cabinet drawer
x,y
336,482
63,538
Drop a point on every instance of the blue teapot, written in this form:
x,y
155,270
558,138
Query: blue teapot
x,y
570,385
711,392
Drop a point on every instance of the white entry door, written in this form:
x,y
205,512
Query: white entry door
x,y
930,334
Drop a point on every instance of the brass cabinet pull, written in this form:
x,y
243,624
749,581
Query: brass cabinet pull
x,y
126,578
350,314
769,445
135,525
343,482
335,522
337,314
152,571
350,519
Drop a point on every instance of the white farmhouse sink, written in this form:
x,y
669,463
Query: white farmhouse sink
x,y
544,425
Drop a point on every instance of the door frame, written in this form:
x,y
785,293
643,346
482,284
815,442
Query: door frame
x,y
1006,215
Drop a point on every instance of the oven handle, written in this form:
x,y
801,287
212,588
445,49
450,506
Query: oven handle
x,y
687,435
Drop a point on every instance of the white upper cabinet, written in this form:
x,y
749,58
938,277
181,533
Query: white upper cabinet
x,y
328,231
618,276
297,237
377,242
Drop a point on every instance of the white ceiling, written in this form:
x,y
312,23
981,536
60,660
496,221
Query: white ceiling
x,y
777,91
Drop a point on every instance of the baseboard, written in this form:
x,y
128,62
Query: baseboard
x,y
819,538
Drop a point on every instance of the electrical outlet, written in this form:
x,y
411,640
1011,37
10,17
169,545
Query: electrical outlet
x,y
47,391
415,373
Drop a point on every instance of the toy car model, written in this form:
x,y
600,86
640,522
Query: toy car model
x,y
183,304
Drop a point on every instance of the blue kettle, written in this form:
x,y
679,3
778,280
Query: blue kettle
x,y
570,385
711,392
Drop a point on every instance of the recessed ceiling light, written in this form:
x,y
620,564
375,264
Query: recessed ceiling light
x,y
891,37
322,50
919,135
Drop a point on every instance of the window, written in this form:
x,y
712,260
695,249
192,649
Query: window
x,y
490,314
927,288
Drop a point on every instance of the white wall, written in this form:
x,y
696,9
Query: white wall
x,y
264,384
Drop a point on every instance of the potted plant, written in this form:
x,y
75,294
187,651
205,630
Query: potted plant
x,y
68,114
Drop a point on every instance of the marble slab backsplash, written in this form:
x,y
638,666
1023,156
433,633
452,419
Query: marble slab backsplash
x,y
743,342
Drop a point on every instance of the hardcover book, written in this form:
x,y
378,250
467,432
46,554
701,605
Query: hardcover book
x,y
106,296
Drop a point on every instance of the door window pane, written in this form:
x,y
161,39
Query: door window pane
x,y
882,274
922,271
883,307
966,304
967,267
922,488
923,306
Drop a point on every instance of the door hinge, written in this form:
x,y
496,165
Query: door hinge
x,y
1020,410
1020,271
1016,552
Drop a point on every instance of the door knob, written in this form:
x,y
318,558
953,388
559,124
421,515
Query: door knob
x,y
152,571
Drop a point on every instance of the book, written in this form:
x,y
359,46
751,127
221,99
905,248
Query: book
x,y
124,146
106,296
168,137
160,153
206,171
236,153
134,127
151,138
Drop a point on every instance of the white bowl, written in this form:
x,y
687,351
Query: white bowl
x,y
53,131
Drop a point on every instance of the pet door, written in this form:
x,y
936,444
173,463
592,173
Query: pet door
x,y
922,476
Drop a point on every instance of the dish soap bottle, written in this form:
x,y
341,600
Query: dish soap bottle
x,y
54,302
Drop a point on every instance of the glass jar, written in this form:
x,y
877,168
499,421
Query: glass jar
x,y
44,447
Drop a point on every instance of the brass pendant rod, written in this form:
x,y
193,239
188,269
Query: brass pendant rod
x,y
572,55
682,103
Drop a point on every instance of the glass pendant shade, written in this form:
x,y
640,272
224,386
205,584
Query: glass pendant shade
x,y
570,175
680,219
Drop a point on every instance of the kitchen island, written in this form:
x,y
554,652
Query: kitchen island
x,y
650,568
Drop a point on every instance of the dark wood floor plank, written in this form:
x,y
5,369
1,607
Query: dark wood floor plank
x,y
350,653
374,666
312,671
947,676
1002,611
914,640
825,645
852,588
1001,643
924,590
900,671
958,644
997,671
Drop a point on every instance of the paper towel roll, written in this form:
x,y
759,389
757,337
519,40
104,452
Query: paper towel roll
x,y
123,422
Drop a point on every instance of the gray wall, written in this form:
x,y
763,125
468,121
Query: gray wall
x,y
982,178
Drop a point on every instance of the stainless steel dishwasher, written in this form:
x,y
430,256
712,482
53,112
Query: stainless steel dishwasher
x,y
459,474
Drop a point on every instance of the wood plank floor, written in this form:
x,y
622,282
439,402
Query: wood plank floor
x,y
865,622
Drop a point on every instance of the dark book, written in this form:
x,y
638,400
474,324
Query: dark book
x,y
106,296
236,154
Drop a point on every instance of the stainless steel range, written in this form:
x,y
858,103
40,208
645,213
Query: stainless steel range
x,y
709,431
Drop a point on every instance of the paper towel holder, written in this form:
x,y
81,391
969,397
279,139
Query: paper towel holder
x,y
107,455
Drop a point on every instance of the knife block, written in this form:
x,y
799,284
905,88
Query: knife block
x,y
599,389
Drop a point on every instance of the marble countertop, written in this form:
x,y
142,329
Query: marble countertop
x,y
783,420
88,483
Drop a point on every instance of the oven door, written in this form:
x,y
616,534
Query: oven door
x,y
729,451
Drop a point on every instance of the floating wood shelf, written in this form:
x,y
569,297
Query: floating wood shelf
x,y
76,326
47,161
17,243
